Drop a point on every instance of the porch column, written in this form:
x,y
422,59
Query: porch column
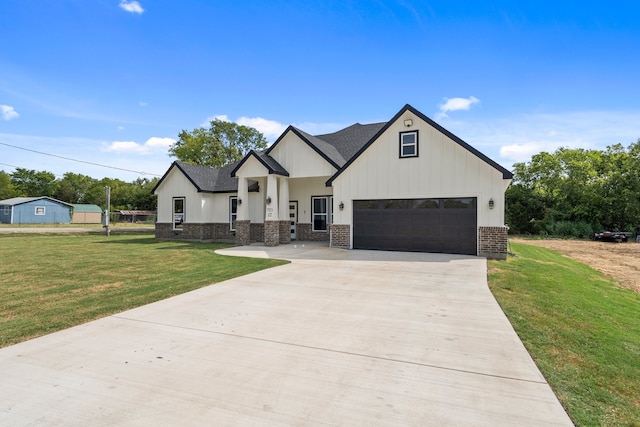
x,y
243,223
271,220
285,226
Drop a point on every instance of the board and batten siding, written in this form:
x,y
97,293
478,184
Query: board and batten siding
x,y
299,159
201,207
442,169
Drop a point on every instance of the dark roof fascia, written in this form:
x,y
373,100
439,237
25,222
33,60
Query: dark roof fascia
x,y
262,162
177,165
506,174
306,140
35,199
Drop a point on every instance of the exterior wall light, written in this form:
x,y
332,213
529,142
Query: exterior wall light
x,y
341,205
239,201
491,203
408,122
269,200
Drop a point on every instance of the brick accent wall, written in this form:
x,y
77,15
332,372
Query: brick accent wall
x,y
271,233
257,232
285,232
340,235
218,232
243,232
305,234
492,242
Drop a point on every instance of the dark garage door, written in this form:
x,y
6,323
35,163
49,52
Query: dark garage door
x,y
416,225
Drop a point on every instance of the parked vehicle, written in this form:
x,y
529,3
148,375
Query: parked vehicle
x,y
612,236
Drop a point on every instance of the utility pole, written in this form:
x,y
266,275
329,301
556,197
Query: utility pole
x,y
106,211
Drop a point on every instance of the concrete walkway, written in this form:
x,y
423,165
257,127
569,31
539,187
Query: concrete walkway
x,y
359,338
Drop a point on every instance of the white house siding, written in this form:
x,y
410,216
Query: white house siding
x,y
442,169
177,185
299,159
302,189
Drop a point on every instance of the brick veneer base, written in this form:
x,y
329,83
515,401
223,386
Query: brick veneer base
x,y
304,233
271,233
340,235
218,232
492,242
243,232
285,232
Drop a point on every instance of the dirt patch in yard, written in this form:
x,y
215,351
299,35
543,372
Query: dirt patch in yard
x,y
618,260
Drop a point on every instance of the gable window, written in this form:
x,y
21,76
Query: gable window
x,y
409,144
233,212
40,210
178,213
321,212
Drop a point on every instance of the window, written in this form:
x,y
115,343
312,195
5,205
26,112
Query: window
x,y
178,213
7,210
321,212
40,210
409,144
233,212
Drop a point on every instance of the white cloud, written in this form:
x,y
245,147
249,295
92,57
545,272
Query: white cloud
x,y
271,129
131,6
126,147
157,142
7,112
133,147
121,128
143,104
456,104
515,138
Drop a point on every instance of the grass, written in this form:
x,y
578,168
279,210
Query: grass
x,y
581,329
50,282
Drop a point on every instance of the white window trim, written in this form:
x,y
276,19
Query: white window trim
x,y
173,212
38,208
329,213
232,214
413,144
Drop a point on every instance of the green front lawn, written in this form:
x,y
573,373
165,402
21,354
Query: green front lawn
x,y
581,329
50,282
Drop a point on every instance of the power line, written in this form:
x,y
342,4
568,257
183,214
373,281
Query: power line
x,y
76,160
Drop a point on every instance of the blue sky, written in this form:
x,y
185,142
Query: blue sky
x,y
113,82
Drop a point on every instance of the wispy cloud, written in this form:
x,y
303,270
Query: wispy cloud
x,y
7,112
131,6
134,147
516,138
272,129
456,104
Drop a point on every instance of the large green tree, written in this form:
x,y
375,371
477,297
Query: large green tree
x,y
73,187
576,189
31,183
217,145
7,190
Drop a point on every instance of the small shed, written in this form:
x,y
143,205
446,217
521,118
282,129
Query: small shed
x,y
86,214
35,210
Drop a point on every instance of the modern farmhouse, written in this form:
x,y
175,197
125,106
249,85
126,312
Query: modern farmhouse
x,y
407,185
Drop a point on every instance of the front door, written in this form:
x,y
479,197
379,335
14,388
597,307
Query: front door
x,y
293,218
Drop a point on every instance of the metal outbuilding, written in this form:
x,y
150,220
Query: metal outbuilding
x,y
35,210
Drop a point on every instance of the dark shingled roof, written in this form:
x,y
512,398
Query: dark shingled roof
x,y
268,162
340,149
209,180
349,140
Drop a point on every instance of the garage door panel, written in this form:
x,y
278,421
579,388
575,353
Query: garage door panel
x,y
423,225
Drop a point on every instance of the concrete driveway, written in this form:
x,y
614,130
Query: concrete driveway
x,y
337,337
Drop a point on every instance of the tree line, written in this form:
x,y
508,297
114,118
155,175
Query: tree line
x,y
78,188
576,192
